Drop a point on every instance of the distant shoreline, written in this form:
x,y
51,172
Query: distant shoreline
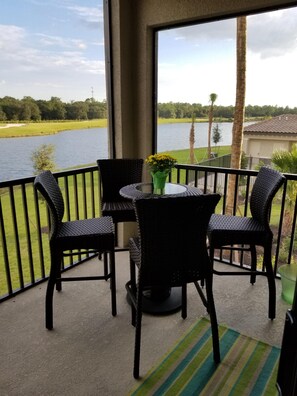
x,y
46,128
13,130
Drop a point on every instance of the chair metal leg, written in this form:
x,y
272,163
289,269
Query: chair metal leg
x,y
211,251
133,276
55,273
113,283
137,334
105,263
58,285
133,289
49,304
213,320
58,276
271,281
253,263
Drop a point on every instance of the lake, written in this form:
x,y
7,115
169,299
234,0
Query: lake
x,y
81,147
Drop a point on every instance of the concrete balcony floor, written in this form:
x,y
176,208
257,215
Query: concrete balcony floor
x,y
89,352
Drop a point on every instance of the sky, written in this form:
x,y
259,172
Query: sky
x,y
199,60
52,48
56,48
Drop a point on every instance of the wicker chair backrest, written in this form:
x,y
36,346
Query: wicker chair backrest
x,y
46,183
267,183
117,173
172,234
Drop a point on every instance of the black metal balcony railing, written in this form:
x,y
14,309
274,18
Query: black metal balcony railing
x,y
24,249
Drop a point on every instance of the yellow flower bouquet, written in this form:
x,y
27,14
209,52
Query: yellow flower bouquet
x,y
160,166
160,162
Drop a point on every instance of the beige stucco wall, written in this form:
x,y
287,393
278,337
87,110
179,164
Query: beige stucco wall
x,y
264,146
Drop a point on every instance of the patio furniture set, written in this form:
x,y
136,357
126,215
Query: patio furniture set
x,y
178,233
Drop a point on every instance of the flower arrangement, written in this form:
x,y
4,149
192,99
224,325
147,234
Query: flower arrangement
x,y
160,162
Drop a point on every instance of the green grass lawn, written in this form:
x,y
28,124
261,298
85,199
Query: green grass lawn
x,y
48,128
183,156
52,127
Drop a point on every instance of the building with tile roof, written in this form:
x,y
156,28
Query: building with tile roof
x,y
261,139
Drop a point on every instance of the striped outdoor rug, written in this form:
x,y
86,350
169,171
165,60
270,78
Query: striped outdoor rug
x,y
248,366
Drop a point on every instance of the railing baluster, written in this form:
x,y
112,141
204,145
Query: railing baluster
x,y
293,230
225,193
84,194
16,237
92,194
39,234
66,198
75,195
28,233
247,194
5,251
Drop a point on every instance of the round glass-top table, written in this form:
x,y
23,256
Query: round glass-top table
x,y
159,301
145,190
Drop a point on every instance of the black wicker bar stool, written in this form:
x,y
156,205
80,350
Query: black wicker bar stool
x,y
171,251
245,233
94,235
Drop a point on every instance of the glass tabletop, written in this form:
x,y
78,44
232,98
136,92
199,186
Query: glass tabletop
x,y
170,188
145,190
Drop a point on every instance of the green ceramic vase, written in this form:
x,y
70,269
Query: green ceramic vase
x,y
159,181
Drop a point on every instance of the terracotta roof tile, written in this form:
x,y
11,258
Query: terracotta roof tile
x,y
285,124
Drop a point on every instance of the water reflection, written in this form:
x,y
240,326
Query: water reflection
x,y
73,148
85,146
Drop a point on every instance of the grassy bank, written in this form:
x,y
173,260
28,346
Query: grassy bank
x,y
189,120
48,128
183,156
53,127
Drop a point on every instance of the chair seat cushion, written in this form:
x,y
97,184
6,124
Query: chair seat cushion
x,y
87,234
226,230
120,211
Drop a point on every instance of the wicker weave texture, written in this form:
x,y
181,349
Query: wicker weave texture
x,y
117,173
173,238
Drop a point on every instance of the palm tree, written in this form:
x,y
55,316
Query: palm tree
x,y
212,98
239,107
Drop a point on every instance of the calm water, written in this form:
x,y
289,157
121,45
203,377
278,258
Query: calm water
x,y
85,146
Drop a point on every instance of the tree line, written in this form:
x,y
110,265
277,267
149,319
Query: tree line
x,y
29,109
186,110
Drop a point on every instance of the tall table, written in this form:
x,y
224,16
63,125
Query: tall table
x,y
168,300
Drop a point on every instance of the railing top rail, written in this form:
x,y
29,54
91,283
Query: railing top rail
x,y
26,180
217,169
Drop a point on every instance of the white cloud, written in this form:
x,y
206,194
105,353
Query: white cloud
x,y
61,41
271,82
193,82
197,60
11,37
90,16
273,34
269,34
